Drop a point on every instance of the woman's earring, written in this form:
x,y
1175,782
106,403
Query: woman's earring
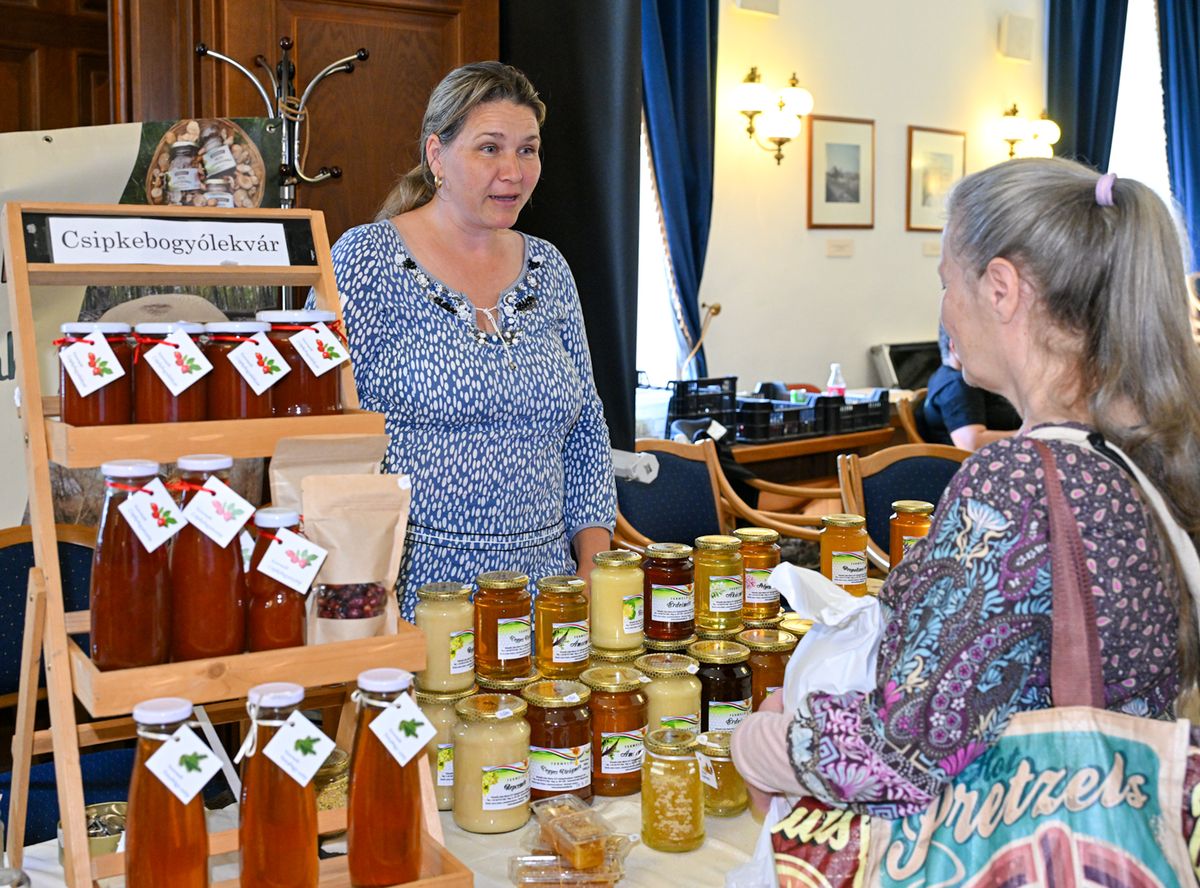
x,y
437,182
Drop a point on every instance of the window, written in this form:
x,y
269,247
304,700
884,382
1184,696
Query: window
x,y
1139,147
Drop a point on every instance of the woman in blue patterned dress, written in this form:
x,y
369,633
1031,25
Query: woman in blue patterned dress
x,y
469,337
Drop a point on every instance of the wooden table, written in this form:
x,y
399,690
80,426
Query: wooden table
x,y
755,453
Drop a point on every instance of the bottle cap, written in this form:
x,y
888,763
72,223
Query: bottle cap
x,y
384,681
718,542
95,327
296,317
204,462
245,328
488,707
274,517
162,711
157,328
276,695
129,468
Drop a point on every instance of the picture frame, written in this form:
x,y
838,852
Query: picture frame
x,y
841,172
937,158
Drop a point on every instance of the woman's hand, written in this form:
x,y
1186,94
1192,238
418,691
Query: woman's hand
x,y
587,543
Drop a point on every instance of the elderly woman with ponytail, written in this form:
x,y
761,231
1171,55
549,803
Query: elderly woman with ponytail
x,y
469,337
1065,291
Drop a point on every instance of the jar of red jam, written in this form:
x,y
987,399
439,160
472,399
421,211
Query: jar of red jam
x,y
669,596
301,392
152,400
560,738
229,395
274,612
618,729
111,404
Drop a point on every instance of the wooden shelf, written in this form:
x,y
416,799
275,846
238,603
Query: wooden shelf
x,y
41,274
88,446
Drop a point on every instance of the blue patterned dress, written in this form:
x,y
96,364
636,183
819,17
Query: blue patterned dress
x,y
503,435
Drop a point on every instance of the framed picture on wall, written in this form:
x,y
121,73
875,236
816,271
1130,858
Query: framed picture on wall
x,y
936,160
841,172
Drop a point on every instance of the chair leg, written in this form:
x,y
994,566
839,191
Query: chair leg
x,y
22,743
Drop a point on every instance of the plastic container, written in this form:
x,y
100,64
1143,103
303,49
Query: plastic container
x,y
911,521
844,551
229,395
762,420
111,404
446,616
714,398
669,596
561,627
152,400
503,640
836,384
301,392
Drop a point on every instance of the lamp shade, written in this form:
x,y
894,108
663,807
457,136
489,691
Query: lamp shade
x,y
1012,128
1046,130
751,96
796,100
779,124
1033,148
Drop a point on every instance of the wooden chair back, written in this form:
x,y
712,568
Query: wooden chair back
x,y
907,410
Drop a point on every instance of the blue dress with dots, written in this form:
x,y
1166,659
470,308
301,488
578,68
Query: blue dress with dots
x,y
502,434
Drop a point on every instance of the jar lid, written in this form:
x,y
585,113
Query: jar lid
x,y
337,764
612,679
129,468
162,711
561,584
502,579
669,551
556,693
795,624
384,681
663,665
507,684
244,327
718,543
681,644
95,327
719,634
758,536
768,640
274,517
276,695
843,519
490,707
204,462
714,743
443,591
617,558
719,652
769,623
300,316
159,328
448,697
670,741
603,655
913,507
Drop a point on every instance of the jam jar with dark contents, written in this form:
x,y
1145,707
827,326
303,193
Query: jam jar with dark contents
x,y
152,400
560,738
301,392
670,599
275,613
111,404
726,687
230,396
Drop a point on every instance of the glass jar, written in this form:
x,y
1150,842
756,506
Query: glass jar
x,y
794,623
275,613
218,192
772,623
729,634
679,646
725,792
726,687
445,615
561,625
301,392
208,586
439,709
278,816
770,650
601,657
383,810
844,551
618,729
560,738
503,646
166,841
672,691
152,400
332,782
111,404
668,592
760,555
183,177
718,582
218,157
229,395
130,587
507,685
910,521
617,588
672,795
491,764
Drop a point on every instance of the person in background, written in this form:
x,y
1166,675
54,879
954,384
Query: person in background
x,y
469,337
957,412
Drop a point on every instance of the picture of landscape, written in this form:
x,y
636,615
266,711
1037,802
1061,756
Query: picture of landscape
x,y
842,173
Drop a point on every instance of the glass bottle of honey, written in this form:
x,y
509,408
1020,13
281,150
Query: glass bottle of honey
x,y
911,521
561,627
718,582
503,646
844,551
760,555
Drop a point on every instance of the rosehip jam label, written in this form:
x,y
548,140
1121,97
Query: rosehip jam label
x,y
672,604
571,644
462,651
632,614
320,349
725,594
300,748
259,363
849,568
445,764
403,729
218,514
152,514
512,638
506,786
560,769
708,774
725,715
621,752
91,364
184,764
292,560
178,367
758,588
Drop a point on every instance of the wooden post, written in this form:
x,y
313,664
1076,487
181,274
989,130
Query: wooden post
x,y
22,743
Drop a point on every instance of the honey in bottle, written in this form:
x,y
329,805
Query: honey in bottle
x,y
911,520
561,627
760,555
503,639
274,612
670,599
719,599
166,841
619,719
844,551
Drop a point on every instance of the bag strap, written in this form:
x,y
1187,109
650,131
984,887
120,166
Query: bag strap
x,y
1076,675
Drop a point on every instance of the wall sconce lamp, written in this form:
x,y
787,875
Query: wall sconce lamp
x,y
781,114
1029,138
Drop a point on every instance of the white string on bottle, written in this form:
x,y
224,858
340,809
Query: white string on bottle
x,y
250,744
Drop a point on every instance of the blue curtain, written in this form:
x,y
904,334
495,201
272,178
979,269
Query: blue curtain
x,y
1179,40
1084,69
679,65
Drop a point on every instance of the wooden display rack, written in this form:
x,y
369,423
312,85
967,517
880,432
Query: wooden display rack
x,y
223,681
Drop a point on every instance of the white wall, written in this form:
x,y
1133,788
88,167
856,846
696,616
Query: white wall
x,y
787,310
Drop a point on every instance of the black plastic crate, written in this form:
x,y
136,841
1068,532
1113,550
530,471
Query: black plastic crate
x,y
761,421
703,398
838,415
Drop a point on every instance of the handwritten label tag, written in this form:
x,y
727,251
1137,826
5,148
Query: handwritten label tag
x,y
91,364
259,362
178,367
300,748
153,515
184,764
708,774
319,348
292,560
218,515
403,729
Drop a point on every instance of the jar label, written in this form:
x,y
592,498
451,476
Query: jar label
x,y
907,542
512,638
300,748
758,589
218,514
462,651
690,722
632,617
183,179
622,751
570,643
672,604
247,543
555,769
259,362
179,364
320,349
708,774
219,199
218,160
184,764
152,514
91,364
849,568
292,560
403,729
725,594
506,786
772,689
725,715
445,764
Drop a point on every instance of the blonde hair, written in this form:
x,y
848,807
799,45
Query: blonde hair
x,y
452,100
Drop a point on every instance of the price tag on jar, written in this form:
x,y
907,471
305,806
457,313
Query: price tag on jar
x,y
259,363
320,349
300,748
292,560
708,774
403,729
218,514
184,764
91,364
152,514
178,364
